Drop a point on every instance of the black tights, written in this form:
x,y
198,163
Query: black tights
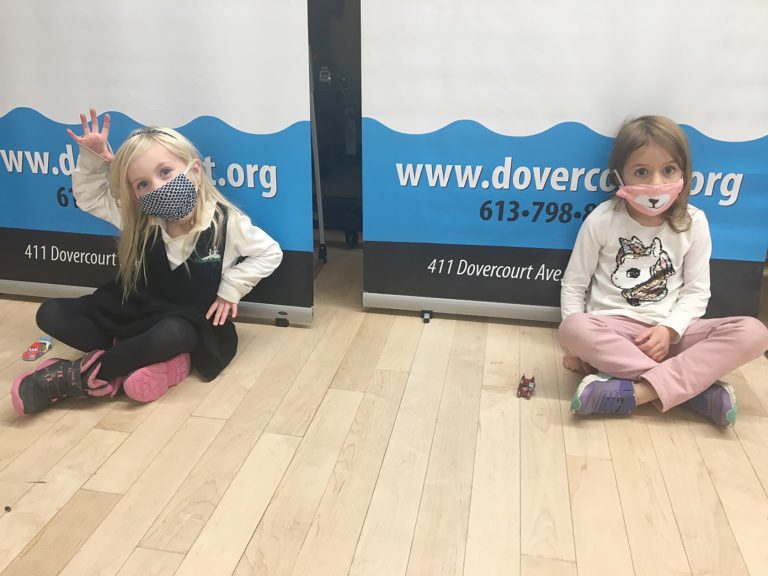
x,y
68,320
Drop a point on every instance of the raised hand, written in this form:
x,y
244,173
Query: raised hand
x,y
93,138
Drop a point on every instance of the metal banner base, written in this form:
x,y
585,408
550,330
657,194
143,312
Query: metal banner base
x,y
466,307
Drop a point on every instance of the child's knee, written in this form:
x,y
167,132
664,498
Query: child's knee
x,y
573,328
177,330
574,324
47,314
755,333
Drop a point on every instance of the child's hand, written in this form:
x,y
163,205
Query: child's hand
x,y
220,310
654,342
576,364
93,138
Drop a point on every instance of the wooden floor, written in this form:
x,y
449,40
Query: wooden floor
x,y
374,444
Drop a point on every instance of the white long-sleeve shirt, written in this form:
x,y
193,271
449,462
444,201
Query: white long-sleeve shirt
x,y
90,185
649,273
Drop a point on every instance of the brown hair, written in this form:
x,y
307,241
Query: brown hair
x,y
664,132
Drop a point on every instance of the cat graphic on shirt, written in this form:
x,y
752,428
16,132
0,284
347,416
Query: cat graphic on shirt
x,y
642,271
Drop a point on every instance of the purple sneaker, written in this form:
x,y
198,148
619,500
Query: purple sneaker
x,y
718,403
603,394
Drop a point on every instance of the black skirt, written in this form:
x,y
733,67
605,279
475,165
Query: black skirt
x,y
186,291
216,345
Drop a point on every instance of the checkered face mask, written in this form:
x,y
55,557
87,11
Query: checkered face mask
x,y
173,200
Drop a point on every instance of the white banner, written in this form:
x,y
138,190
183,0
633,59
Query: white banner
x,y
519,68
487,127
232,76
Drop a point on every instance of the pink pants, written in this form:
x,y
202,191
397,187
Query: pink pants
x,y
708,350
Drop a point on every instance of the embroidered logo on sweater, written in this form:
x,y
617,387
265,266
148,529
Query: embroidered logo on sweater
x,y
642,271
213,256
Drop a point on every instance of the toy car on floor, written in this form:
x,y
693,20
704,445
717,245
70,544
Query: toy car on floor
x,y
37,349
527,387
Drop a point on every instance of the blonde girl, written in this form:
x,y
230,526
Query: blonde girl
x,y
186,258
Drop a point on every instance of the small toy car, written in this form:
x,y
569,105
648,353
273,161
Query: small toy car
x,y
37,349
527,387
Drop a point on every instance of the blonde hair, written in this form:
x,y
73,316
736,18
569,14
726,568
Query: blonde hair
x,y
139,230
664,132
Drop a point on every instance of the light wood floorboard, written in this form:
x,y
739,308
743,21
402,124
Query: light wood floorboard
x,y
373,444
493,535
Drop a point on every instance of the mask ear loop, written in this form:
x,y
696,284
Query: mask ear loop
x,y
618,177
187,169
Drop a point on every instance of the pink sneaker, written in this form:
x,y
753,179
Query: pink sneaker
x,y
151,382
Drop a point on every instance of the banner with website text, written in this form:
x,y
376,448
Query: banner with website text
x,y
232,76
487,128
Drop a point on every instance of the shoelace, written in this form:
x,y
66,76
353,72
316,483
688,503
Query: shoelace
x,y
611,401
57,383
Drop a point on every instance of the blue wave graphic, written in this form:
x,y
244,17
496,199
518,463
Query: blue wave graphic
x,y
534,191
37,157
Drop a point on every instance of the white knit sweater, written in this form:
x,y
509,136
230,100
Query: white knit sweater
x,y
260,252
652,274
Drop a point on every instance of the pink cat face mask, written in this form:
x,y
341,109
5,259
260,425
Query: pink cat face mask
x,y
650,199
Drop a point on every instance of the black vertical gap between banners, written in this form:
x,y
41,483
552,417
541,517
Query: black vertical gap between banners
x,y
334,40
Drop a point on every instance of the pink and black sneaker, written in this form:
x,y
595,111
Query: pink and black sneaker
x,y
151,382
57,379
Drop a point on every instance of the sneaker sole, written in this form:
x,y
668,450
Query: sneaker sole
x,y
18,405
730,415
151,382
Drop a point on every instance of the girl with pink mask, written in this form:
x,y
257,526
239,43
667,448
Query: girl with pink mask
x,y
637,285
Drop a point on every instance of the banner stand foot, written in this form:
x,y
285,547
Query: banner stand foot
x,y
282,322
322,252
351,237
426,315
